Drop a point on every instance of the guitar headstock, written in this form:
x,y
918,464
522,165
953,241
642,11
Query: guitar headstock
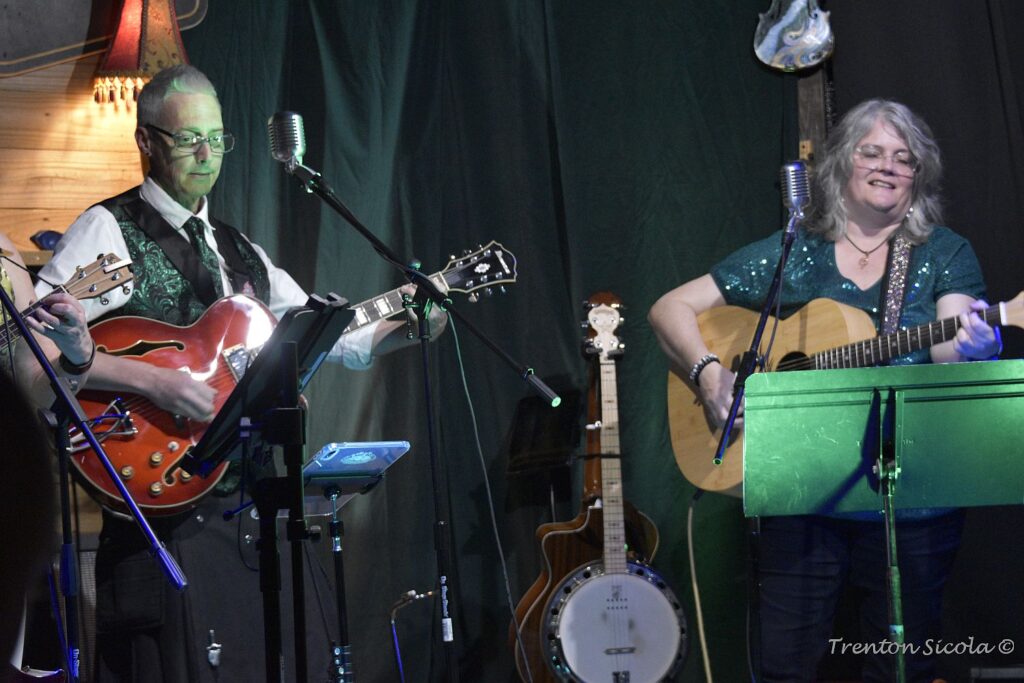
x,y
489,266
603,318
107,272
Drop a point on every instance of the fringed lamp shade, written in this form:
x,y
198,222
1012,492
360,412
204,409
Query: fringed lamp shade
x,y
147,40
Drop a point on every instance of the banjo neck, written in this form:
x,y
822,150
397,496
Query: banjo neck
x,y
611,472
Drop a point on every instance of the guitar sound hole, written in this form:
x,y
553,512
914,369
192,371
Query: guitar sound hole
x,y
791,361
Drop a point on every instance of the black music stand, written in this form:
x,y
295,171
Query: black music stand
x,y
266,402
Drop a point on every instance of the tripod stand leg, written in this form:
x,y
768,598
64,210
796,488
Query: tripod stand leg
x,y
888,472
270,588
342,651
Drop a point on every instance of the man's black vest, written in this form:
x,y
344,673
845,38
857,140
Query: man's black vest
x,y
171,284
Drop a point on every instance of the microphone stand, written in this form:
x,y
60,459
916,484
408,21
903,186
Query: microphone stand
x,y
748,363
427,294
750,359
66,409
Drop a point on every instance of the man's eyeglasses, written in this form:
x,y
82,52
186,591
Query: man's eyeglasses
x,y
220,143
904,163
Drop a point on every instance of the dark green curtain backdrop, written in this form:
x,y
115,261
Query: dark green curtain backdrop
x,y
610,146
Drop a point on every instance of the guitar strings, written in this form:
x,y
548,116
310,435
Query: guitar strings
x,y
139,405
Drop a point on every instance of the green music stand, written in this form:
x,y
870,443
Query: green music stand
x,y
811,438
884,439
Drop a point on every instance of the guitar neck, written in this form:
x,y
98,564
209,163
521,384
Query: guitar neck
x,y
611,473
10,332
886,347
385,305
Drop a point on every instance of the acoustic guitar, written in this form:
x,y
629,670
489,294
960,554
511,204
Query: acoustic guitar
x,y
822,335
598,611
146,443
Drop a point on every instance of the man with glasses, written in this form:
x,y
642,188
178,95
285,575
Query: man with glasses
x,y
184,260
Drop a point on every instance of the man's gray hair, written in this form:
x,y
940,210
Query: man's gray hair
x,y
180,78
834,172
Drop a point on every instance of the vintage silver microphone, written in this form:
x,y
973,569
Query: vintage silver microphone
x,y
288,145
796,192
287,138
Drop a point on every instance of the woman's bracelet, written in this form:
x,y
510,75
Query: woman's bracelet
x,y
73,369
698,367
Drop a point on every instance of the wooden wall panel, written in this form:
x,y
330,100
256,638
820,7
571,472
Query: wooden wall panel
x,y
60,152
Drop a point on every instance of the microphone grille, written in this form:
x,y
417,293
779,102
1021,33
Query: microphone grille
x,y
287,137
796,190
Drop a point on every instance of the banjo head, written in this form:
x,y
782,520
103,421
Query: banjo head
x,y
614,627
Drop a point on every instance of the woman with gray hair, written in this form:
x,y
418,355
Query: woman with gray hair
x,y
876,210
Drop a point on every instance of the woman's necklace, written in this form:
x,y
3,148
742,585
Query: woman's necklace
x,y
866,255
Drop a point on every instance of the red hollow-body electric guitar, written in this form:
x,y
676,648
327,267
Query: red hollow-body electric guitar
x,y
146,443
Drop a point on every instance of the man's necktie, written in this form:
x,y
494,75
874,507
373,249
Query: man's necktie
x,y
196,232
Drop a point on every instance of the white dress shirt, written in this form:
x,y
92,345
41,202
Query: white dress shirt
x,y
96,232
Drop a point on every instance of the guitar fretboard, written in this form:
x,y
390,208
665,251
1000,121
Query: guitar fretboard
x,y
611,473
385,305
885,348
10,332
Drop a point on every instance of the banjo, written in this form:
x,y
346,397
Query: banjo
x,y
613,619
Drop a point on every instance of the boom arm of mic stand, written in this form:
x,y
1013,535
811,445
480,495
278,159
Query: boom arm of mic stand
x,y
74,410
314,183
748,363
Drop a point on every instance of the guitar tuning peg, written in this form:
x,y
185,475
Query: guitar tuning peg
x,y
474,297
502,290
451,257
466,252
488,291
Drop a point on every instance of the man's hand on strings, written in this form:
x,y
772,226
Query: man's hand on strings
x,y
61,319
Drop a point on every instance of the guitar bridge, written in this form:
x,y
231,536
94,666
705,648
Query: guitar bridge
x,y
120,422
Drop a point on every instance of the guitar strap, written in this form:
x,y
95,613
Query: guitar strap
x,y
895,283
